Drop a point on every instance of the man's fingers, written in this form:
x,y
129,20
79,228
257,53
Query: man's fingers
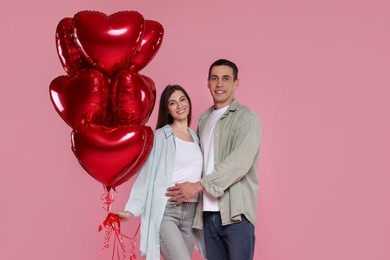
x,y
174,188
172,193
173,199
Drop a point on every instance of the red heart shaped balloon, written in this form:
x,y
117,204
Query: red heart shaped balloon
x,y
82,98
138,165
108,42
151,41
152,86
71,58
110,154
132,98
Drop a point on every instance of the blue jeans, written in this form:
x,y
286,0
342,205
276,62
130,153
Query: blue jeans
x,y
176,236
235,241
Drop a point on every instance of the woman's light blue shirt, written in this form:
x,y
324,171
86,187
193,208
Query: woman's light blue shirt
x,y
147,195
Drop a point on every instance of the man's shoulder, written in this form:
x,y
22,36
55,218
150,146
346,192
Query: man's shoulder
x,y
236,107
206,113
243,110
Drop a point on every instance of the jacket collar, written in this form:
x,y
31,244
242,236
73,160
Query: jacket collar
x,y
168,131
232,107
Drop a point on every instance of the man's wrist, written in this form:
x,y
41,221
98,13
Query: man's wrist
x,y
199,187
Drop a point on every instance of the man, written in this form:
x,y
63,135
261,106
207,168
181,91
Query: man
x,y
230,136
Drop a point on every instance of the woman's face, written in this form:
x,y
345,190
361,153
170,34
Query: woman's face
x,y
178,106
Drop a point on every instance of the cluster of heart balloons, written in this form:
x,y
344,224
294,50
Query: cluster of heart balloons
x,y
103,98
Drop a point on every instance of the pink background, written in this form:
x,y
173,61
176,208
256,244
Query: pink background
x,y
316,72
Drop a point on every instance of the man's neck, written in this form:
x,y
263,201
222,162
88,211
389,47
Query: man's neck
x,y
220,106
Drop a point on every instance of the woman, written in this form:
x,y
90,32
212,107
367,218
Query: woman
x,y
175,158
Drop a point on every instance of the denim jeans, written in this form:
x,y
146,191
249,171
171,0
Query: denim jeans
x,y
234,242
176,236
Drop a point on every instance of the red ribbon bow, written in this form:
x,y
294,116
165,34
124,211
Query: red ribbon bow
x,y
111,221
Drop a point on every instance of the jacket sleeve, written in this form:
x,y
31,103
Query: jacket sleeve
x,y
238,163
141,186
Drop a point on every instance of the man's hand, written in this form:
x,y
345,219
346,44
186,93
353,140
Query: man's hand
x,y
183,191
123,215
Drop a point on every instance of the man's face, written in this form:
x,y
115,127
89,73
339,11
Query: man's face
x,y
222,85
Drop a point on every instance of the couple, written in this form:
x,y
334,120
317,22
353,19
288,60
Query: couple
x,y
172,194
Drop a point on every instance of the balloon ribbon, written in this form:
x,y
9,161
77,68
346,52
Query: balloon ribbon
x,y
112,223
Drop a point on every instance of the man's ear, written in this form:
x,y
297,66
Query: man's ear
x,y
236,83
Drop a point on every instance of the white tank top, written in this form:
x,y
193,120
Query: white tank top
x,y
188,164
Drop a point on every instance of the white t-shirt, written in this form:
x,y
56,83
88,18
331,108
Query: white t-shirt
x,y
188,164
209,202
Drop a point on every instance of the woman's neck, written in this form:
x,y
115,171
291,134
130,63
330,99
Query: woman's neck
x,y
181,131
180,126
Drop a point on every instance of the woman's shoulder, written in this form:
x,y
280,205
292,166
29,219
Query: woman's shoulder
x,y
164,131
192,131
158,133
194,134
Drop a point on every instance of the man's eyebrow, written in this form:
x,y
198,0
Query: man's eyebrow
x,y
224,76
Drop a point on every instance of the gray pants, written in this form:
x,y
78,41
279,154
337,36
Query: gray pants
x,y
176,237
